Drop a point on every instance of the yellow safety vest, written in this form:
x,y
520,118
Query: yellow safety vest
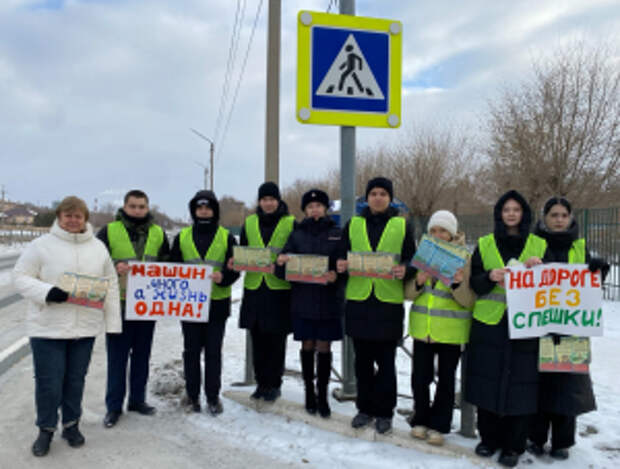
x,y
278,239
490,308
577,252
436,314
121,248
392,238
215,256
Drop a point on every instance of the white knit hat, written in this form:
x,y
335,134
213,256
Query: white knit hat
x,y
444,219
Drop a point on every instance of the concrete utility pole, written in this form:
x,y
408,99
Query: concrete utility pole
x,y
272,131
347,210
211,152
272,120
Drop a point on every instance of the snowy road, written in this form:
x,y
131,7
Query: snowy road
x,y
241,437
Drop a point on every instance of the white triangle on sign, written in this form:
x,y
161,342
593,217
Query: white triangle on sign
x,y
349,76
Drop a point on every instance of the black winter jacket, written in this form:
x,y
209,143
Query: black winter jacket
x,y
202,234
373,319
264,309
563,393
502,374
315,301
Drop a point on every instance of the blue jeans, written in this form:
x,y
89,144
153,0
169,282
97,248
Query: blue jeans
x,y
60,367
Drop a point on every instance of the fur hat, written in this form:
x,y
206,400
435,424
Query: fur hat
x,y
314,195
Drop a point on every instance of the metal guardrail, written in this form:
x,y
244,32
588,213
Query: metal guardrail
x,y
20,233
15,351
8,261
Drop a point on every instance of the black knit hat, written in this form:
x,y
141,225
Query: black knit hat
x,y
269,189
314,195
381,182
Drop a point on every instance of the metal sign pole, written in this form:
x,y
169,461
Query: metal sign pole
x,y
347,210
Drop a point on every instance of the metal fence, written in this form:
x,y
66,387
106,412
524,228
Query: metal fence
x,y
599,226
19,233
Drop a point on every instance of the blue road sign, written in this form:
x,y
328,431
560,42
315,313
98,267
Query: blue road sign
x,y
348,70
367,65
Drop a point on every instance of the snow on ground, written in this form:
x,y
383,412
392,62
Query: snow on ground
x,y
295,443
598,440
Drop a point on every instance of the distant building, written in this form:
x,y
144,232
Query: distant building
x,y
6,205
18,215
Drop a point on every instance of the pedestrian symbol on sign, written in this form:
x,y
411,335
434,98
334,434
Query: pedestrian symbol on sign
x,y
349,75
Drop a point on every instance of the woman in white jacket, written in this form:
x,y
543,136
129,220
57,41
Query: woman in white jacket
x,y
62,333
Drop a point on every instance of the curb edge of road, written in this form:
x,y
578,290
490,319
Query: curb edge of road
x,y
14,353
339,423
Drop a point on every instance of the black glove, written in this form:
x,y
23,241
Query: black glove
x,y
56,295
596,263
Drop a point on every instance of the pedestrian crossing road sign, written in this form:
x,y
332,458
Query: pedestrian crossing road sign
x,y
348,70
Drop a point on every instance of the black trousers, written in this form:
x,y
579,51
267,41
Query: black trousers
x,y
268,353
437,416
133,345
508,432
196,337
562,429
376,390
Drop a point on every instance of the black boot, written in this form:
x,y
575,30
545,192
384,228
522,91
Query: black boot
x,y
324,371
41,445
73,436
307,371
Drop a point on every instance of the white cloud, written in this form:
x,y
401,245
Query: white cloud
x,y
101,95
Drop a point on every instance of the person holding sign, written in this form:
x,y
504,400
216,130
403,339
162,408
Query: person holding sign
x,y
562,396
265,309
439,322
502,374
315,307
374,306
133,236
205,242
62,332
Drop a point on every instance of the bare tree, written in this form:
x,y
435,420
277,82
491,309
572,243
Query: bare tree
x,y
232,211
558,133
430,169
427,165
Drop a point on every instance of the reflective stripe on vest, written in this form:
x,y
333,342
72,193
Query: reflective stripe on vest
x,y
577,252
215,256
121,248
392,238
490,308
436,314
278,239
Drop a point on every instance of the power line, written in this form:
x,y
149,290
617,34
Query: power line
x,y
245,61
230,64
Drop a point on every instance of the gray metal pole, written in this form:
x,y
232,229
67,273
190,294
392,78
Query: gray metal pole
x,y
468,420
272,121
347,210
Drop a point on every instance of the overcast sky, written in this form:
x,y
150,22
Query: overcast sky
x,y
97,96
